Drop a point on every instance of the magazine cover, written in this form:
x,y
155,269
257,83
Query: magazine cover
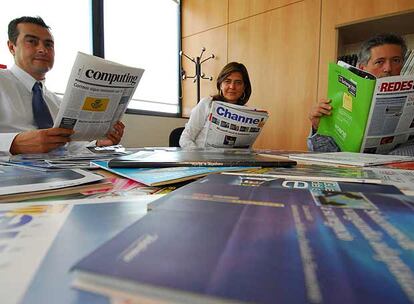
x,y
351,97
391,119
232,125
40,241
212,244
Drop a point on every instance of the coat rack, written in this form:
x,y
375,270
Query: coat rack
x,y
198,61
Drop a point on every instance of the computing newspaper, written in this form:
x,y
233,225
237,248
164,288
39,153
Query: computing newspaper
x,y
96,96
233,126
369,115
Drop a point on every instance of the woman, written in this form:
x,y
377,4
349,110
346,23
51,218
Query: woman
x,y
233,85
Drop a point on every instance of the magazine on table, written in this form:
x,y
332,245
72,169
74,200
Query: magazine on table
x,y
369,115
315,172
165,176
315,186
64,158
217,241
96,96
324,175
19,180
198,158
42,239
351,158
232,125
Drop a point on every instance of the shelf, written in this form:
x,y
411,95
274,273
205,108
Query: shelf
x,y
353,34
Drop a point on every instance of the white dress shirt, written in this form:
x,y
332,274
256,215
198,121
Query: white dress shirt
x,y
195,132
16,114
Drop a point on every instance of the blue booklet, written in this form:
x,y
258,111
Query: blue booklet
x,y
227,242
165,176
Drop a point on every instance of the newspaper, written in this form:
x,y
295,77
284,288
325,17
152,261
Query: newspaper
x,y
232,125
96,96
391,117
369,115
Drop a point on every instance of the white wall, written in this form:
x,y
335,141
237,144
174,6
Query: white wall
x,y
149,131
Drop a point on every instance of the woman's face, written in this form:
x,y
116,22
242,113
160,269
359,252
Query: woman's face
x,y
232,87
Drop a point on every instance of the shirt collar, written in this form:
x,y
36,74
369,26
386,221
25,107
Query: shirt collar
x,y
26,79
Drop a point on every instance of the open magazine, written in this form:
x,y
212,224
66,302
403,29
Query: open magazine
x,y
371,116
232,125
96,96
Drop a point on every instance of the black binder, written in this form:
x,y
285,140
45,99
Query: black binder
x,y
203,158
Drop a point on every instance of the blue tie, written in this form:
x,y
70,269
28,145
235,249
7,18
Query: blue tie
x,y
41,112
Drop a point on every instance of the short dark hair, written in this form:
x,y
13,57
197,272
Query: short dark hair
x,y
14,32
226,71
364,54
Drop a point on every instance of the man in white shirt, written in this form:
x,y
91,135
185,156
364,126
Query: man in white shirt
x,y
32,46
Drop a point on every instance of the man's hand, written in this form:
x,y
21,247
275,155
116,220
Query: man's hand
x,y
318,110
40,141
113,137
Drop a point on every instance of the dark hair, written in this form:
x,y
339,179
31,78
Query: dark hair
x,y
364,54
225,72
14,32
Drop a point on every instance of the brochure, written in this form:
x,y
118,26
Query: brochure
x,y
232,125
96,96
371,116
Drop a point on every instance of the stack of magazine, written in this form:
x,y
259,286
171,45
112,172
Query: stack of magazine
x,y
20,183
238,239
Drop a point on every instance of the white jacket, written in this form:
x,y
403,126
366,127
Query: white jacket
x,y
194,134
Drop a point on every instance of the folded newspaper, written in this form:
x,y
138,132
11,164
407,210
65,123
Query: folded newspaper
x,y
232,125
96,96
371,116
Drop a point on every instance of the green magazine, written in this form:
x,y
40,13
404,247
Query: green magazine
x,y
351,97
